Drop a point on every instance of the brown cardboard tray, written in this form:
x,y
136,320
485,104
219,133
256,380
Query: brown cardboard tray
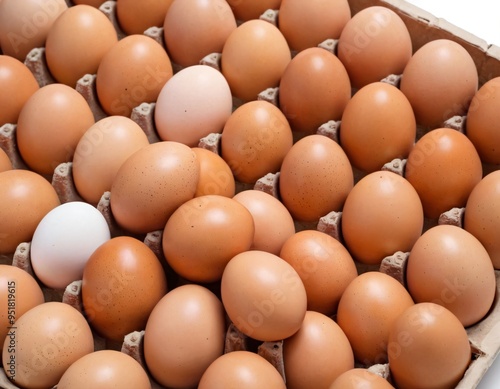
x,y
423,27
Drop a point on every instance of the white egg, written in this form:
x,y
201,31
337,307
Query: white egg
x,y
195,102
64,240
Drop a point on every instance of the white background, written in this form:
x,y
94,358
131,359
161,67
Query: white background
x,y
481,18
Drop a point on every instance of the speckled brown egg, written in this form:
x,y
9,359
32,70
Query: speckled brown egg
x,y
50,337
152,183
26,198
132,72
315,178
122,282
255,140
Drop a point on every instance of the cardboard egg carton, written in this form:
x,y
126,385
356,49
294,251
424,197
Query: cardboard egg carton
x,y
484,337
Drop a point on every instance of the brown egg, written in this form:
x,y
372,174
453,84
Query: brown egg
x,y
450,267
101,151
307,24
105,369
482,215
273,223
76,43
360,378
382,215
151,184
203,234
50,126
443,167
5,163
366,313
26,198
374,44
324,265
50,337
132,72
24,26
315,178
254,58
184,335
216,177
246,10
428,348
136,17
241,369
319,339
481,126
314,89
17,84
255,139
19,292
194,29
122,282
444,89
378,125
263,296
